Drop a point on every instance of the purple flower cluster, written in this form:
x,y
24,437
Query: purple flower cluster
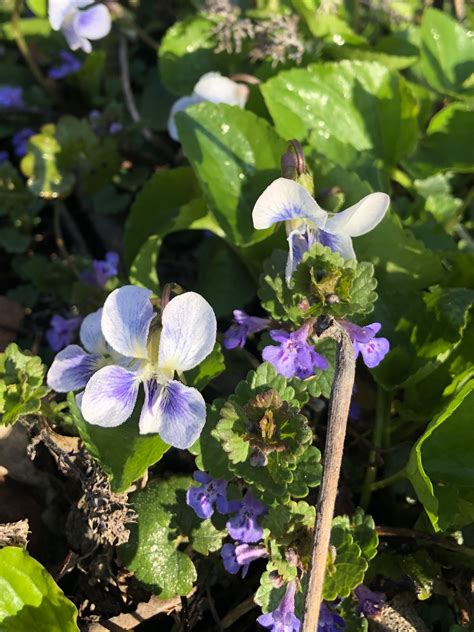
x,y
61,331
294,357
101,271
11,97
69,65
243,326
101,126
243,526
364,341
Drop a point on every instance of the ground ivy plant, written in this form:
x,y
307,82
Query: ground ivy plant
x,y
191,194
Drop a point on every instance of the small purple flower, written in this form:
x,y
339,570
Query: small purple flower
x,y
101,271
294,356
20,141
244,525
243,326
373,349
69,65
329,621
3,156
240,556
115,128
61,331
370,603
203,498
283,619
11,97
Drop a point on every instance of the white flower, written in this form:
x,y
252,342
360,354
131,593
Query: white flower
x,y
211,87
79,26
306,222
129,325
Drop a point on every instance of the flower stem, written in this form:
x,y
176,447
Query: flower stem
x,y
390,480
382,412
25,50
338,413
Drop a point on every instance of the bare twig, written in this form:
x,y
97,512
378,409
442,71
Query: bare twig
x,y
239,611
434,540
338,413
58,236
24,48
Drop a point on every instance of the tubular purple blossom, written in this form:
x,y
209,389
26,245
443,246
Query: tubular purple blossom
x,y
283,619
294,357
61,331
244,525
244,325
364,341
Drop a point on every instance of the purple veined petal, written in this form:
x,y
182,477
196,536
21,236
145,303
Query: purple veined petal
x,y
213,87
280,359
126,319
285,200
93,23
235,336
91,334
298,244
361,217
179,415
360,334
337,242
374,351
148,422
189,332
71,369
200,502
179,106
110,396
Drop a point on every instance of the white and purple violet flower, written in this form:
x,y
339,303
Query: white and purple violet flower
x,y
78,23
212,87
306,222
142,350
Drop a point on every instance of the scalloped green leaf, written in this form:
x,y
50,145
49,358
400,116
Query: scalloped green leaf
x,y
362,528
122,452
208,450
346,565
29,598
323,283
21,384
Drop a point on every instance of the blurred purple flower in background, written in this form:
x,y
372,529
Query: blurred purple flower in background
x,y
61,331
294,356
101,270
69,65
4,156
329,621
243,326
20,141
11,97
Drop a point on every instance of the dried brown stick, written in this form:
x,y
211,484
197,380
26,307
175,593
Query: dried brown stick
x,y
338,413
